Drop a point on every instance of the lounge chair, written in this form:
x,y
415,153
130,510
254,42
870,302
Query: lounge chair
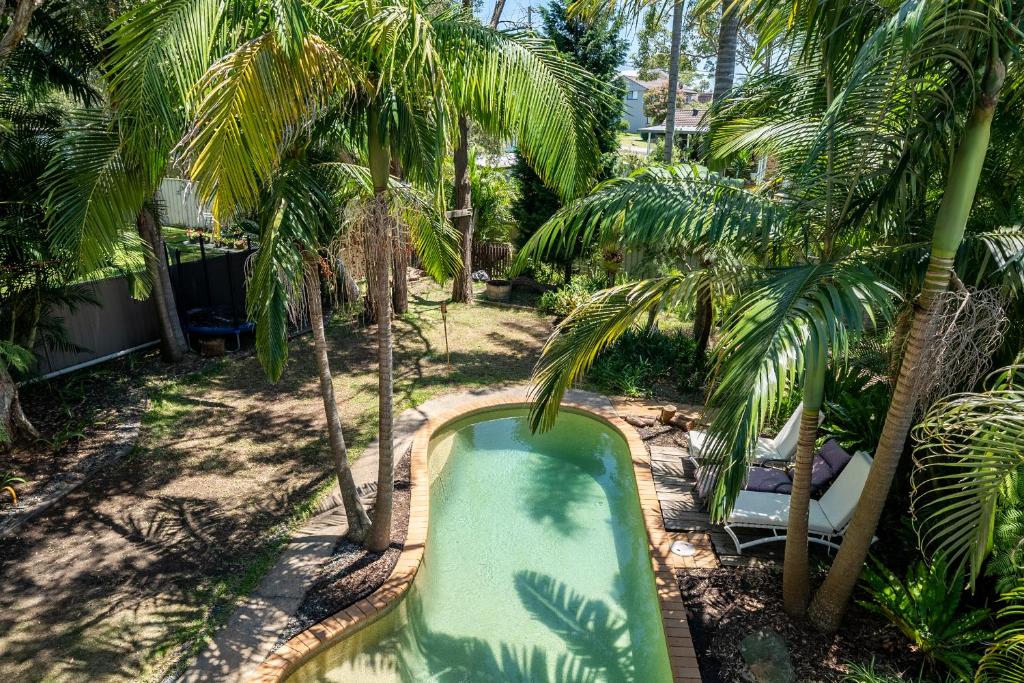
x,y
827,519
826,466
781,448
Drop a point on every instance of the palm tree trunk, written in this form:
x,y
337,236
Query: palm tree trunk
x,y
829,604
400,263
703,319
172,339
358,520
18,28
378,242
795,571
725,60
462,287
673,79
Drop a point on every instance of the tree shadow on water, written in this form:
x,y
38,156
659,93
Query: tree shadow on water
x,y
595,638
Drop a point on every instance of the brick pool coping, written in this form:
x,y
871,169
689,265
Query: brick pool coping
x,y
682,657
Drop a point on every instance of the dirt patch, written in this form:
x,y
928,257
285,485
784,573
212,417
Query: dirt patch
x,y
352,572
725,605
124,579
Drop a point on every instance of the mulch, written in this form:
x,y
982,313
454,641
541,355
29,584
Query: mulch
x,y
353,572
725,605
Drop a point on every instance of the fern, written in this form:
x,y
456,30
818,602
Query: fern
x,y
1006,564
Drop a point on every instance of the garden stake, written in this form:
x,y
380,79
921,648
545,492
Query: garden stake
x,y
444,319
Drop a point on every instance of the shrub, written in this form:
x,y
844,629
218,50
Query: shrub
x,y
640,359
563,301
926,608
1006,564
855,407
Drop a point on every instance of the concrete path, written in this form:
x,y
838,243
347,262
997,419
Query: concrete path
x,y
257,623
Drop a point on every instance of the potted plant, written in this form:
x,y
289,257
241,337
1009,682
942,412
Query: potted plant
x,y
498,290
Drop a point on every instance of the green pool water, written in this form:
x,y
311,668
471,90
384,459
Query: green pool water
x,y
536,566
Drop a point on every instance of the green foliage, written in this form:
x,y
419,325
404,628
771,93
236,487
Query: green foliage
x,y
567,298
494,194
968,447
855,407
1003,661
641,359
870,674
1006,563
926,608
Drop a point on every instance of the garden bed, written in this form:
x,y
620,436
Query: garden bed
x,y
353,572
726,605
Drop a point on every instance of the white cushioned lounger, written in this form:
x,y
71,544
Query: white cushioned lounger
x,y
827,518
782,447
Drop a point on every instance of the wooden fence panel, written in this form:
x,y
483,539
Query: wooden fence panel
x,y
492,257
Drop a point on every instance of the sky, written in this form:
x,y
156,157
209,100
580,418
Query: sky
x,y
516,13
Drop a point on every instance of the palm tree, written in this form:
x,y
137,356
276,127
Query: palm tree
x,y
462,283
397,76
892,104
985,36
794,307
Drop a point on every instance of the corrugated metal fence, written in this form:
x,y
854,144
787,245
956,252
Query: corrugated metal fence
x,y
120,323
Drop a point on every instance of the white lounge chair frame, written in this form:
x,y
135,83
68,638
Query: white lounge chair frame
x,y
836,507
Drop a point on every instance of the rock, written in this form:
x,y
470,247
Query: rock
x,y
767,657
480,276
647,433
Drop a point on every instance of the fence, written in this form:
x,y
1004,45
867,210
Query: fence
x,y
120,324
493,257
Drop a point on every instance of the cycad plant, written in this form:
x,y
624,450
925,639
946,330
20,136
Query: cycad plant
x,y
396,74
926,608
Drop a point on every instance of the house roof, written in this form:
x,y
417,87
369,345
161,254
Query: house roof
x,y
660,81
688,120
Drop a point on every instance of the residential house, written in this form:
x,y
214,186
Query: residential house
x,y
633,100
689,123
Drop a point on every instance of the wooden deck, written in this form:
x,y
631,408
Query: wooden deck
x,y
675,483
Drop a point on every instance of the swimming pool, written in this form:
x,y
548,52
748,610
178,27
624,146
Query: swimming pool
x,y
536,565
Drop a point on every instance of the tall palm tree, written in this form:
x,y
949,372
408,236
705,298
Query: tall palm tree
x,y
462,283
887,107
397,75
983,38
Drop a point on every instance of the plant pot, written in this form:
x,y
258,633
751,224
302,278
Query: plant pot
x,y
498,290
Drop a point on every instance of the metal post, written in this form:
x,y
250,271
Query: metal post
x,y
206,270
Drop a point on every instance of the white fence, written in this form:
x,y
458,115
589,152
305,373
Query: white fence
x,y
180,205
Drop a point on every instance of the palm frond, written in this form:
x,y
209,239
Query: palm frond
x,y
94,195
1003,661
248,102
679,206
968,446
761,355
576,342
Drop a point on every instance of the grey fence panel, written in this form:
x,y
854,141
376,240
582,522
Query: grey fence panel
x,y
117,324
120,323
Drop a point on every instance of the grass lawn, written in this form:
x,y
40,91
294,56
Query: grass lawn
x,y
124,578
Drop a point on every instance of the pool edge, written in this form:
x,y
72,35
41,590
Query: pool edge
x,y
682,656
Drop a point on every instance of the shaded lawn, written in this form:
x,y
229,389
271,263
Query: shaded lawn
x,y
124,578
